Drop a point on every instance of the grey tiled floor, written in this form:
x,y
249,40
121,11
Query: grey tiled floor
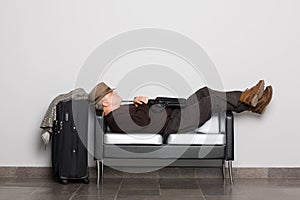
x,y
113,188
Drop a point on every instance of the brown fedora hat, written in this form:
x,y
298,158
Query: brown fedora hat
x,y
98,92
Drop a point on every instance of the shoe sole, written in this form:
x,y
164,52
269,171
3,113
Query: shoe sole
x,y
252,100
261,109
259,95
261,90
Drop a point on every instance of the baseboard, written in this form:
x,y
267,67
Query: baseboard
x,y
26,172
167,172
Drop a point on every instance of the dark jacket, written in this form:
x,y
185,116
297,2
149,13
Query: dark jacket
x,y
143,119
155,119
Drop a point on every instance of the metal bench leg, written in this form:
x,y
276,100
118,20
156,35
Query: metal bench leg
x,y
100,167
230,172
102,171
223,169
98,171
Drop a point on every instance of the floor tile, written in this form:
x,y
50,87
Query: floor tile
x,y
291,191
219,190
48,197
151,189
214,181
93,197
228,197
272,194
260,182
55,191
182,198
109,187
140,197
94,191
181,193
141,192
139,189
28,182
140,184
13,193
219,187
178,183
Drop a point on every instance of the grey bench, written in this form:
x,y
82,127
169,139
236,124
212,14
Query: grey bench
x,y
213,140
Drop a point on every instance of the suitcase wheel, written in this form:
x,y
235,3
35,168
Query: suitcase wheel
x,y
86,181
64,181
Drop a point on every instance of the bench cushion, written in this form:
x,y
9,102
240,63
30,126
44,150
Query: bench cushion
x,y
207,134
133,138
196,139
211,126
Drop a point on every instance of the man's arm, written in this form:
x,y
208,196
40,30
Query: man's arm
x,y
129,118
141,114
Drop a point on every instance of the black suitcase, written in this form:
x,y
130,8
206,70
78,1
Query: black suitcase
x,y
69,142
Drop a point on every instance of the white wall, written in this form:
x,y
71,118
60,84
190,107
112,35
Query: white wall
x,y
44,44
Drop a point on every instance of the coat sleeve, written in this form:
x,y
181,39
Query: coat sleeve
x,y
129,118
140,114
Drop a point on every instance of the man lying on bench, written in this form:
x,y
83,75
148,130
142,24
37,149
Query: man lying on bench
x,y
142,115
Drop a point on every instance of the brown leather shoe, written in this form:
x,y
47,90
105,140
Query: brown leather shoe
x,y
252,95
264,101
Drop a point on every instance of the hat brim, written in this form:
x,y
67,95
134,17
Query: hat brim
x,y
107,92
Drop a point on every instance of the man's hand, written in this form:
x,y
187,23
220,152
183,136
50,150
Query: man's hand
x,y
140,100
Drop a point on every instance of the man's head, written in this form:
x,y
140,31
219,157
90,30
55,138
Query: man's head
x,y
103,96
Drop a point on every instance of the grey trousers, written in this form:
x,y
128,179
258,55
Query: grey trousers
x,y
201,106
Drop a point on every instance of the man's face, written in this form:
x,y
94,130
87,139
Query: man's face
x,y
114,99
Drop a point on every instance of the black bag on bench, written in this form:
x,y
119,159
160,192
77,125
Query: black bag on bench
x,y
168,101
